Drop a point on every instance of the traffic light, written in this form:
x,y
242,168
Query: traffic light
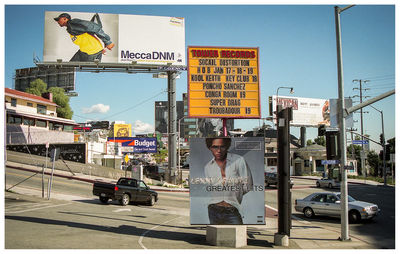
x,y
387,152
321,130
333,151
382,139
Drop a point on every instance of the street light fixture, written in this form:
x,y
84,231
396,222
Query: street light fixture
x,y
277,91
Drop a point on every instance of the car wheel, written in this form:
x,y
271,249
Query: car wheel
x,y
104,200
308,212
125,199
330,186
318,185
152,200
354,216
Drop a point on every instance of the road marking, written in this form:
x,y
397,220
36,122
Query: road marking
x,y
142,236
293,216
27,210
30,204
122,210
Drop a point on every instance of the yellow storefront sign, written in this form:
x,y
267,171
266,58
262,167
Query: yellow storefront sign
x,y
122,130
223,82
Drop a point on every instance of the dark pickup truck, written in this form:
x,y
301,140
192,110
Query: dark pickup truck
x,y
125,191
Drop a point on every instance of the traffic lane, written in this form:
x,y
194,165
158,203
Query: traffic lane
x,y
85,225
59,184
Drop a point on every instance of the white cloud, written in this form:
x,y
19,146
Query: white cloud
x,y
98,108
140,127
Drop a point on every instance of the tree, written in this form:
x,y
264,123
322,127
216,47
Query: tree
x,y
373,161
39,87
61,100
318,140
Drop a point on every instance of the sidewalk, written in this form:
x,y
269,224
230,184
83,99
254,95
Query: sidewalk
x,y
304,235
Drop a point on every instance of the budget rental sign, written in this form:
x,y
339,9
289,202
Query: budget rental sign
x,y
140,145
223,82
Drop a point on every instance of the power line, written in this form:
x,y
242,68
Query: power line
x,y
136,105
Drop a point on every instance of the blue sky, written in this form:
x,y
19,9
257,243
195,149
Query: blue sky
x,y
297,47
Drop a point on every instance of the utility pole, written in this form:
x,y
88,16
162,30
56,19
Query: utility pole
x,y
362,124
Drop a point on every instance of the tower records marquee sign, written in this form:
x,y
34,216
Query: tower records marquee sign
x,y
223,82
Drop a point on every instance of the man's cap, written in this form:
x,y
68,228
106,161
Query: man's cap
x,y
63,15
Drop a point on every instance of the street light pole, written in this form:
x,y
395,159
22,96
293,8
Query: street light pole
x,y
179,150
283,118
383,146
342,129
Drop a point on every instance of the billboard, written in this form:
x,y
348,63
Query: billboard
x,y
306,111
122,130
113,38
139,145
234,194
223,82
53,77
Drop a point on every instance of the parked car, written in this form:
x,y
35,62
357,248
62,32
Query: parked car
x,y
154,172
328,203
125,191
328,182
272,179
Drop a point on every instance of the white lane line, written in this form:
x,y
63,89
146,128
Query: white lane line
x,y
25,204
122,210
142,236
27,210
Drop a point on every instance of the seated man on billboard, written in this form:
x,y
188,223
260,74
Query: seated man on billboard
x,y
230,179
86,35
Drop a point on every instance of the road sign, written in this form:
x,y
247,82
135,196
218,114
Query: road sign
x,y
330,162
223,82
360,142
126,158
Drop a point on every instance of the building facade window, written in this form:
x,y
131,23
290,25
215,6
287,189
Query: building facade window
x,y
14,119
41,109
272,162
13,102
41,123
28,121
29,104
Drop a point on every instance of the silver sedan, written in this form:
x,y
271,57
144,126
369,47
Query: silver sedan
x,y
328,182
327,203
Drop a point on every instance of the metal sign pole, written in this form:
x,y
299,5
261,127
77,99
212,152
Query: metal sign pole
x,y
51,177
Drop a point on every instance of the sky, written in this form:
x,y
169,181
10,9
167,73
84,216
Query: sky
x,y
297,46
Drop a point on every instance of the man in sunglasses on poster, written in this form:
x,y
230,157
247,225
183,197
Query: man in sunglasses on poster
x,y
230,179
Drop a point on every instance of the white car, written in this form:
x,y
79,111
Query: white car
x,y
326,203
328,182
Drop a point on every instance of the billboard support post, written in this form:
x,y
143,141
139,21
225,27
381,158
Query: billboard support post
x,y
284,116
171,126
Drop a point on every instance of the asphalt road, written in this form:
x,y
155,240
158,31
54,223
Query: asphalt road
x,y
74,218
379,231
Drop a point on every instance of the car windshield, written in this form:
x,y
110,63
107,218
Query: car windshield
x,y
351,199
